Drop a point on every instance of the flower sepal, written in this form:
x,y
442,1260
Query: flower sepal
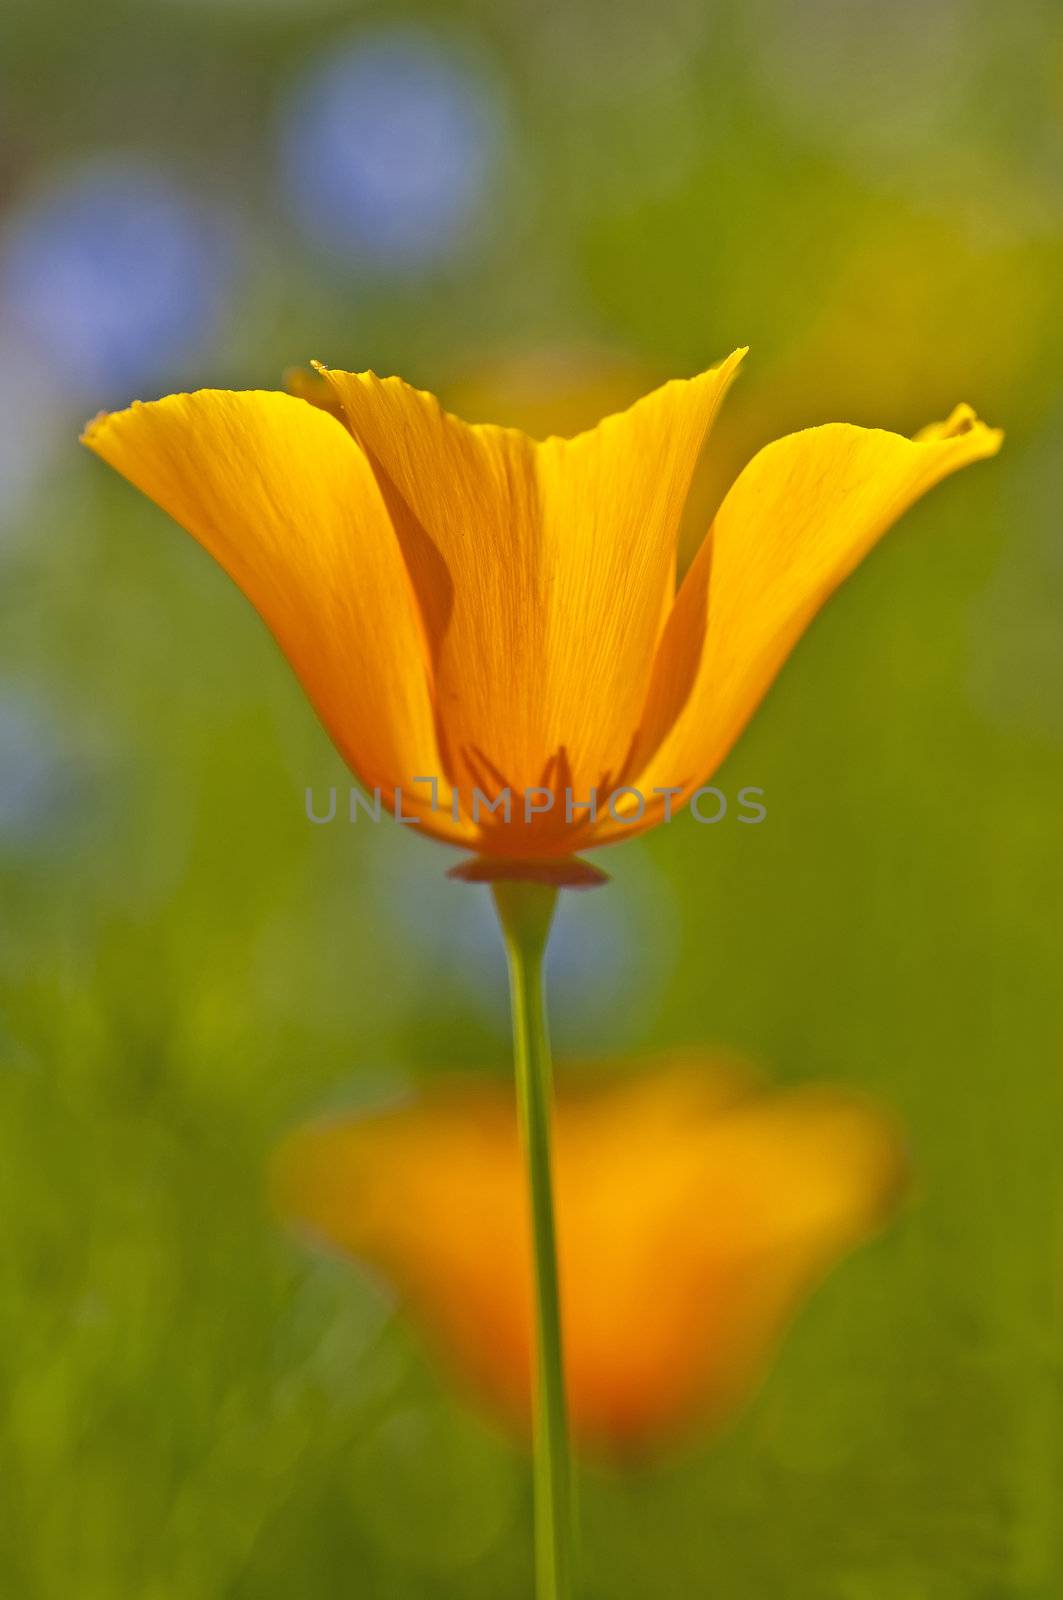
x,y
572,872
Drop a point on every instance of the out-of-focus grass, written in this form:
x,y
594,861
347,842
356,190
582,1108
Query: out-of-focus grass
x,y
192,1408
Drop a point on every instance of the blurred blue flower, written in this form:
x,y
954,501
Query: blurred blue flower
x,y
388,149
34,773
605,974
114,276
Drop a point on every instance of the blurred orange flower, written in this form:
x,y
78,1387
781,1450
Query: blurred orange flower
x,y
473,612
695,1212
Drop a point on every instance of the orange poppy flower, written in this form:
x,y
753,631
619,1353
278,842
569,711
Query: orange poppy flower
x,y
489,626
695,1212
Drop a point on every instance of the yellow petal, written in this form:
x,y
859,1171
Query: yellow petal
x,y
544,570
799,518
694,1215
280,495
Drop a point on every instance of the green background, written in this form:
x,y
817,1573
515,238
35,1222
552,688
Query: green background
x,y
191,1406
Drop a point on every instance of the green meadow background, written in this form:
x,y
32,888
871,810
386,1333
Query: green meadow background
x,y
191,1406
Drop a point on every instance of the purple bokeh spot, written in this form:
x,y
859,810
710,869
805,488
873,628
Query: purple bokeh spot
x,y
114,277
388,150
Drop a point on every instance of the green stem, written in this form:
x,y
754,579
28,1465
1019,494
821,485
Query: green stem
x,y
525,911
